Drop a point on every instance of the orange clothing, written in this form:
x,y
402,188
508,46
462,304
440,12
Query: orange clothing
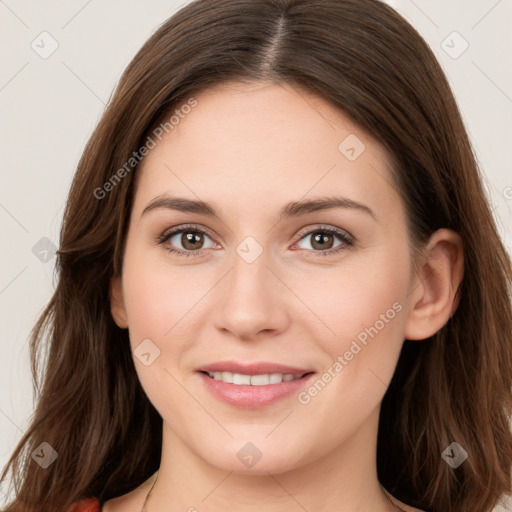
x,y
89,505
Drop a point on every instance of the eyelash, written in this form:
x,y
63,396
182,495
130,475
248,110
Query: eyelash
x,y
346,239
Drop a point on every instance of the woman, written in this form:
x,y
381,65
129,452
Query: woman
x,y
280,282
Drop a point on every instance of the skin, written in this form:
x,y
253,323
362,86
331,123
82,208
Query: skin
x,y
249,150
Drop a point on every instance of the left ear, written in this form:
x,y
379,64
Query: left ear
x,y
435,291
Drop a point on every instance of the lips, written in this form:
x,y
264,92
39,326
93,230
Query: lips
x,y
252,385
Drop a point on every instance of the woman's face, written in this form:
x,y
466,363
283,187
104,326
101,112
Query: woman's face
x,y
261,282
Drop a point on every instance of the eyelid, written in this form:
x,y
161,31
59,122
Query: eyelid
x,y
325,227
169,232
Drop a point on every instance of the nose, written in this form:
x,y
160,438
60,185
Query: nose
x,y
251,302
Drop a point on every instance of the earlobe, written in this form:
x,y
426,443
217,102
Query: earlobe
x,y
117,307
435,292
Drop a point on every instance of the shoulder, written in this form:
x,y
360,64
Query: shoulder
x,y
88,505
132,501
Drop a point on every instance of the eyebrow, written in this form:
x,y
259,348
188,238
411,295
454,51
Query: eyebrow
x,y
292,209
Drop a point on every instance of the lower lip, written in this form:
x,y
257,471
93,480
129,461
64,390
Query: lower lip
x,y
253,397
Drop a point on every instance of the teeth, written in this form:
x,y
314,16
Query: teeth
x,y
254,380
238,378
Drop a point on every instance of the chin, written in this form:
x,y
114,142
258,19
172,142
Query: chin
x,y
258,456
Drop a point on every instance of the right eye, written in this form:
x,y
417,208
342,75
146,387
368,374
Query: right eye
x,y
186,236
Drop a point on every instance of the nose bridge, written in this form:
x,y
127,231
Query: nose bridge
x,y
249,279
249,300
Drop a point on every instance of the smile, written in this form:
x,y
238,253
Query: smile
x,y
252,386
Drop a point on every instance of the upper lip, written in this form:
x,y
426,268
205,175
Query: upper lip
x,y
259,368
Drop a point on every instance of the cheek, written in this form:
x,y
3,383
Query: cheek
x,y
147,299
366,319
160,307
159,299
366,292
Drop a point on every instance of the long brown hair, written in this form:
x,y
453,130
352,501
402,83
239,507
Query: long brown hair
x,y
366,60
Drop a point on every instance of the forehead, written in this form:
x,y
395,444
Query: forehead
x,y
262,140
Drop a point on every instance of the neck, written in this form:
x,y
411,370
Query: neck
x,y
344,479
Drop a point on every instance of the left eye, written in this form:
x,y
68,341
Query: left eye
x,y
323,239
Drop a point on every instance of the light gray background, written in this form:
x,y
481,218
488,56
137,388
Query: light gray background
x,y
49,107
